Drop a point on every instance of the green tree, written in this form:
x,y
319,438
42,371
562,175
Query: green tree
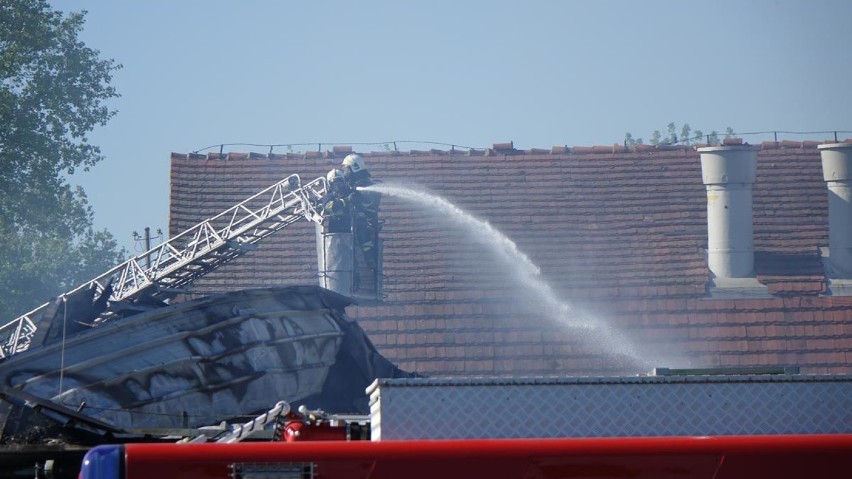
x,y
53,90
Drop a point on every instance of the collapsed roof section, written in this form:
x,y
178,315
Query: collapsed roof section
x,y
195,363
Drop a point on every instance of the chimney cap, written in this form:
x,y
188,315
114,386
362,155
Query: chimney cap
x,y
827,146
711,149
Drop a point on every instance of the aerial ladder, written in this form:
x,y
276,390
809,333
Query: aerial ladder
x,y
165,271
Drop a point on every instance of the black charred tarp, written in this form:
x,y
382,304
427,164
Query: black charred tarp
x,y
71,314
357,365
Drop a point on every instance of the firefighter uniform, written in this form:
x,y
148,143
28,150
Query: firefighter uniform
x,y
365,212
336,216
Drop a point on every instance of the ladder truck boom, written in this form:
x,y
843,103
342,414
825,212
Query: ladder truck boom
x,y
162,272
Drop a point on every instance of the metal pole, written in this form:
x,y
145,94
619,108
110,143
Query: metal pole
x,y
147,247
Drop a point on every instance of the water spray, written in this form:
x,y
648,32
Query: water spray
x,y
527,275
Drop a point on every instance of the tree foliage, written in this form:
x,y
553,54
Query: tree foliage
x,y
53,92
687,136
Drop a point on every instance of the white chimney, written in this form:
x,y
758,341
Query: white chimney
x,y
729,173
837,173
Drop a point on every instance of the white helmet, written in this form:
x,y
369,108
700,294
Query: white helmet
x,y
355,162
334,175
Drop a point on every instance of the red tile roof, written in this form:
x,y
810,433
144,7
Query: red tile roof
x,y
617,233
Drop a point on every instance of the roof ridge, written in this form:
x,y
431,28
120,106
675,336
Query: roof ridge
x,y
505,149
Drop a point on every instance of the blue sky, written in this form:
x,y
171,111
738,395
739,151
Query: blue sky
x,y
473,73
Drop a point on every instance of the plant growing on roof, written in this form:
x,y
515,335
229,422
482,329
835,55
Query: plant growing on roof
x,y
688,136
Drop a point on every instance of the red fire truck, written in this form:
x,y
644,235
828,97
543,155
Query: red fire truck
x,y
720,457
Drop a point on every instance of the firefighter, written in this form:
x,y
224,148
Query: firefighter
x,y
336,210
365,212
355,171
365,208
336,181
